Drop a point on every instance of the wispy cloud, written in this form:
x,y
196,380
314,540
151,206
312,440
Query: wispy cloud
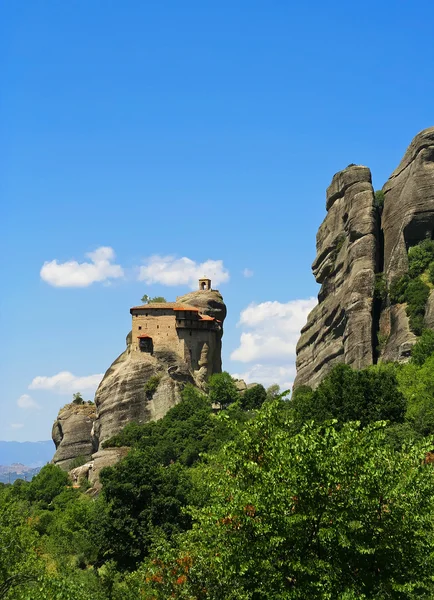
x,y
270,331
27,403
66,383
16,425
75,274
248,273
169,270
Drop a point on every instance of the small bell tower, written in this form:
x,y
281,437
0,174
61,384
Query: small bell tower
x,y
204,284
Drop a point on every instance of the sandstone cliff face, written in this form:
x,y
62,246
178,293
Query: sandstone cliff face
x,y
353,244
339,328
407,219
73,434
408,215
122,397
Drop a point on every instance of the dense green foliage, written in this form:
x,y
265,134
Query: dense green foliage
x,y
423,348
322,514
380,287
347,395
414,288
325,496
420,257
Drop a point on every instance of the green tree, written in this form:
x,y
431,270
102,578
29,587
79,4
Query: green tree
x,y
416,382
147,300
423,348
46,485
253,398
77,398
321,515
345,394
419,257
19,562
222,389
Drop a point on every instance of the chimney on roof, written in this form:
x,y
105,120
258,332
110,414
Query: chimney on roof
x,y
204,284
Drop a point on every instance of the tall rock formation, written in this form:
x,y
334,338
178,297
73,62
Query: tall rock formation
x,y
356,241
339,328
143,386
408,218
73,434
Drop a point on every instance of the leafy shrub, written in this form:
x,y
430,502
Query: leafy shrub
x,y
416,295
380,287
398,288
379,198
431,272
423,348
382,341
147,300
253,398
151,386
77,398
420,257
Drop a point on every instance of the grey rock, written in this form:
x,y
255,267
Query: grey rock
x,y
241,385
121,396
395,329
429,314
408,215
104,458
339,328
72,434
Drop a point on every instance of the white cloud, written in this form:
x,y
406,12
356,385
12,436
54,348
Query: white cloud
x,y
274,330
25,401
75,274
66,383
268,340
17,425
248,273
169,270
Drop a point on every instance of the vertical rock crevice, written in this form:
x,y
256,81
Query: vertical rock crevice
x,y
379,289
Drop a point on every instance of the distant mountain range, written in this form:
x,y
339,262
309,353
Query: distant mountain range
x,y
17,471
28,454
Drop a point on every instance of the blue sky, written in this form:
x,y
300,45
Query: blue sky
x,y
198,130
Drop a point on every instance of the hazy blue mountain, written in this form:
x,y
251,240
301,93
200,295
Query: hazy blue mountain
x,y
31,454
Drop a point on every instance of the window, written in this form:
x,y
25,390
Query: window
x,y
140,327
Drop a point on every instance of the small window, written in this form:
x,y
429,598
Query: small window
x,y
140,327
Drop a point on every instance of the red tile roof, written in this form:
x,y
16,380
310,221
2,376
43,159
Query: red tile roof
x,y
206,318
165,305
143,336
